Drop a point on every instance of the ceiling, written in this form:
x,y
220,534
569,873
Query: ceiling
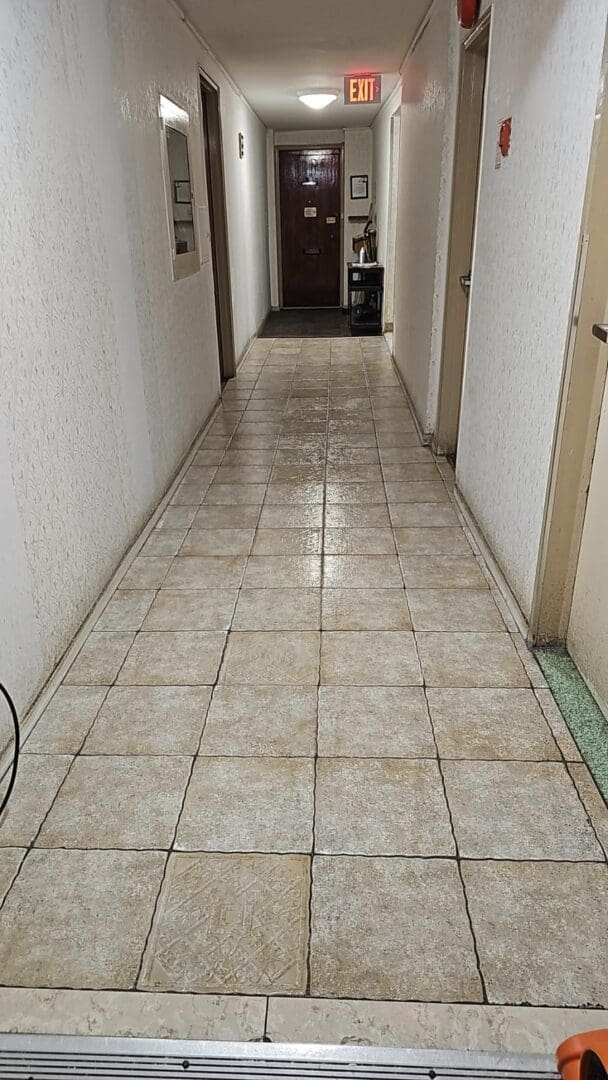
x,y
275,48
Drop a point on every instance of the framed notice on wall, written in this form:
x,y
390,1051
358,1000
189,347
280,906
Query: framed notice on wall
x,y
359,187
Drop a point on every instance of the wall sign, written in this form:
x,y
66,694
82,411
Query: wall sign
x,y
362,89
359,187
310,211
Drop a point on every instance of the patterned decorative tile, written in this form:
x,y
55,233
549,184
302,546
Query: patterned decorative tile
x,y
230,924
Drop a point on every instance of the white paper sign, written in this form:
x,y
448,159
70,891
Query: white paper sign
x,y
310,211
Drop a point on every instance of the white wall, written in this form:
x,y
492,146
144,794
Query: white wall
x,y
544,71
108,368
429,97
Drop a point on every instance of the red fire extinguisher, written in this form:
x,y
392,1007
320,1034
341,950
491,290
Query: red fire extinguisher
x,y
468,12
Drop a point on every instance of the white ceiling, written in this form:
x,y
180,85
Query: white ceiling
x,y
275,48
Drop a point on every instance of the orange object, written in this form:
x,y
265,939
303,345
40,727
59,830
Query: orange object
x,y
571,1053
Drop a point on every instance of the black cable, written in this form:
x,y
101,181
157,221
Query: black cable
x,y
13,776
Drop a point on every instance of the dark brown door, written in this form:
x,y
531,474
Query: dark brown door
x,y
310,186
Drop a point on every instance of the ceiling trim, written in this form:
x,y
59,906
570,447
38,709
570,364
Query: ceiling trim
x,y
422,25
215,58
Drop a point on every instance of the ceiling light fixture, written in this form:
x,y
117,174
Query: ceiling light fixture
x,y
319,99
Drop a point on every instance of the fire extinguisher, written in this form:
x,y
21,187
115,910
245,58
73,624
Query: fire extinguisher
x,y
468,12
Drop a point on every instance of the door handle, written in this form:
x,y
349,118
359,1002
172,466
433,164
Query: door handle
x,y
600,330
465,281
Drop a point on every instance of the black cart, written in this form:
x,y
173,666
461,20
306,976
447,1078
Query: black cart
x,y
365,290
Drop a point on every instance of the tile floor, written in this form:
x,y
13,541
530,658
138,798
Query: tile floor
x,y
304,751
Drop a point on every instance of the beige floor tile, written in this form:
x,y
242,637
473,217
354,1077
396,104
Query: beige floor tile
x,y
517,810
558,725
408,472
344,455
298,473
454,609
357,517
126,610
100,659
190,493
167,658
374,721
416,492
150,720
442,572
197,609
490,723
226,517
359,541
470,659
423,515
287,542
281,494
278,609
365,609
248,457
66,720
344,494
242,474
208,457
235,495
431,541
79,918
538,927
147,571
39,777
349,473
261,721
369,659
218,542
10,861
206,572
527,658
285,658
175,518
405,455
282,571
592,800
391,439
374,930
248,804
230,924
388,807
142,797
291,517
164,542
362,572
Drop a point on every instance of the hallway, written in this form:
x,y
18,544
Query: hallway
x,y
305,750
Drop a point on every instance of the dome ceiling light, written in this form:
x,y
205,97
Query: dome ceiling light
x,y
318,99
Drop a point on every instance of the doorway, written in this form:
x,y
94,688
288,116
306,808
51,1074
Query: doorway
x,y
469,123
310,209
571,593
218,229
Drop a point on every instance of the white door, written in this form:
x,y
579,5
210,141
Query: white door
x,y
588,629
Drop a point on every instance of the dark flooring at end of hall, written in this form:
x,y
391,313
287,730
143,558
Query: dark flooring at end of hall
x,y
306,322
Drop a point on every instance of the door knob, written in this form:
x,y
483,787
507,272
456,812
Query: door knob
x,y
600,330
465,281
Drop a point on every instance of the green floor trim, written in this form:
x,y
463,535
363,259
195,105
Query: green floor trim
x,y
585,719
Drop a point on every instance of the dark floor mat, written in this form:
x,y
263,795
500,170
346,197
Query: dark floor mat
x,y
306,323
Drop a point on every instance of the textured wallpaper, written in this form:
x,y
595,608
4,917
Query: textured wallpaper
x,y
107,366
544,71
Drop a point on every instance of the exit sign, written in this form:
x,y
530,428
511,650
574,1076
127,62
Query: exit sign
x,y
362,89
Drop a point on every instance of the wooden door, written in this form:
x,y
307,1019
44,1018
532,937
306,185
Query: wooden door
x,y
310,187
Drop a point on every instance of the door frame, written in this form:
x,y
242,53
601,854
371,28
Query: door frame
x,y
474,60
277,187
581,394
391,224
213,155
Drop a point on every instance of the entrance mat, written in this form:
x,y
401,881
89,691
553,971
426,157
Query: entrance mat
x,y
38,1057
306,323
585,719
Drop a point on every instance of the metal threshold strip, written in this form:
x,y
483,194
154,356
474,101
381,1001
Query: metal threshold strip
x,y
41,1057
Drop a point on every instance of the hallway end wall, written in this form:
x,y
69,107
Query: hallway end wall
x,y
544,71
109,367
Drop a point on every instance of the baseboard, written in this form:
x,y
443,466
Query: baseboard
x,y
499,578
424,438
